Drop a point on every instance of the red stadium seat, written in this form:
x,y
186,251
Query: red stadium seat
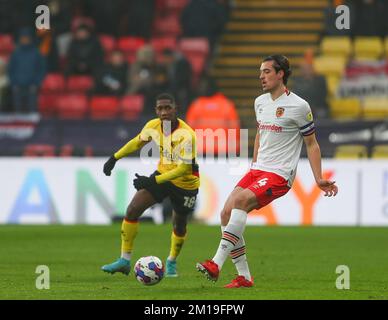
x,y
80,84
73,106
131,106
194,46
66,150
6,44
88,151
47,104
108,42
104,107
161,43
39,150
196,51
53,82
130,44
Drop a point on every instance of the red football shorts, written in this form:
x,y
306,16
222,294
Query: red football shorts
x,y
267,186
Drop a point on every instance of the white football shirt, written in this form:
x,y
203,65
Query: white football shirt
x,y
282,123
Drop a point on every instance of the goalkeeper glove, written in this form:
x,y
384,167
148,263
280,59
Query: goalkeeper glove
x,y
109,165
142,182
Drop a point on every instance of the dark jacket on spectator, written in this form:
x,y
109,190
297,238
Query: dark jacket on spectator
x,y
26,66
84,56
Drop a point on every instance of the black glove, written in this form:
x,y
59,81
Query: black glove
x,y
142,182
109,165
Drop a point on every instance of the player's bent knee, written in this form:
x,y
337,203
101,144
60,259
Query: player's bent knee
x,y
133,212
242,202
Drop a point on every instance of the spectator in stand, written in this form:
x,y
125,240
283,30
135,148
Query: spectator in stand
x,y
313,88
212,110
60,16
48,48
203,18
81,14
112,78
179,77
26,70
4,83
65,37
60,25
146,77
85,53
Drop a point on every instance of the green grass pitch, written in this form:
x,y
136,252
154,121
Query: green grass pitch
x,y
286,262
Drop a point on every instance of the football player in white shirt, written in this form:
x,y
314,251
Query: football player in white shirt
x,y
284,122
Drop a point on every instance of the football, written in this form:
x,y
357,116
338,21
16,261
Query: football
x,y
149,270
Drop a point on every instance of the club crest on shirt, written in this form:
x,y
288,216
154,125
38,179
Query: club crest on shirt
x,y
279,112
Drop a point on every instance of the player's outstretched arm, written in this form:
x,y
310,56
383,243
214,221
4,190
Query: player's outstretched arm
x,y
133,145
314,155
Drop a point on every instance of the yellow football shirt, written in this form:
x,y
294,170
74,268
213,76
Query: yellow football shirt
x,y
176,148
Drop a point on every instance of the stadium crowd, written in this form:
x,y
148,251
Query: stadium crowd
x,y
120,47
109,60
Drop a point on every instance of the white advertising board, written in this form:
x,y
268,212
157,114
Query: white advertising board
x,y
70,191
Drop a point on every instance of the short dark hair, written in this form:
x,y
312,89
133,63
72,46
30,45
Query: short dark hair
x,y
166,96
280,63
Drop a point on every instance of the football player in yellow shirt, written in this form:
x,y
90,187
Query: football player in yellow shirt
x,y
177,177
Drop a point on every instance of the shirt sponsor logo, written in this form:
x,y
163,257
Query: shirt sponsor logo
x,y
170,156
269,127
